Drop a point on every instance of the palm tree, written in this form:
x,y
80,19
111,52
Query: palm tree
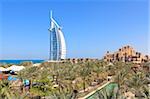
x,y
84,73
5,90
97,68
137,84
122,73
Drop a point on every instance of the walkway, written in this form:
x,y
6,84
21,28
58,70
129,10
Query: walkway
x,y
95,90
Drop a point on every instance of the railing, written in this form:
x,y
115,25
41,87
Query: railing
x,y
91,93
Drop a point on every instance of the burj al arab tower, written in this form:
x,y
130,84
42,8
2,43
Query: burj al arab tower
x,y
57,41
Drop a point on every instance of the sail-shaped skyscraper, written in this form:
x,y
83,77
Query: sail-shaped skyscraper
x,y
57,42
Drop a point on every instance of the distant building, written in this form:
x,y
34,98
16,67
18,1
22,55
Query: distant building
x,y
57,42
126,54
80,60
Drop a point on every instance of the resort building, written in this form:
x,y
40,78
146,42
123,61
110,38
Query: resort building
x,y
126,54
57,42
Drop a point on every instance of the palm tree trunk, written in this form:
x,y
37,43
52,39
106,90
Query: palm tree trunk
x,y
84,84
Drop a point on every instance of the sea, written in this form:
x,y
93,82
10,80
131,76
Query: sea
x,y
19,61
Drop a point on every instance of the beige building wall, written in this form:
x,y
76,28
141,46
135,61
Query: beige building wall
x,y
126,53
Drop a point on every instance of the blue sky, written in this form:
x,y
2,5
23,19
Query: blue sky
x,y
90,27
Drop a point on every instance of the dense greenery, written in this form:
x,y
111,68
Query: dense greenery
x,y
69,81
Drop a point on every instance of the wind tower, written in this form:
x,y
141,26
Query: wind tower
x,y
57,50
